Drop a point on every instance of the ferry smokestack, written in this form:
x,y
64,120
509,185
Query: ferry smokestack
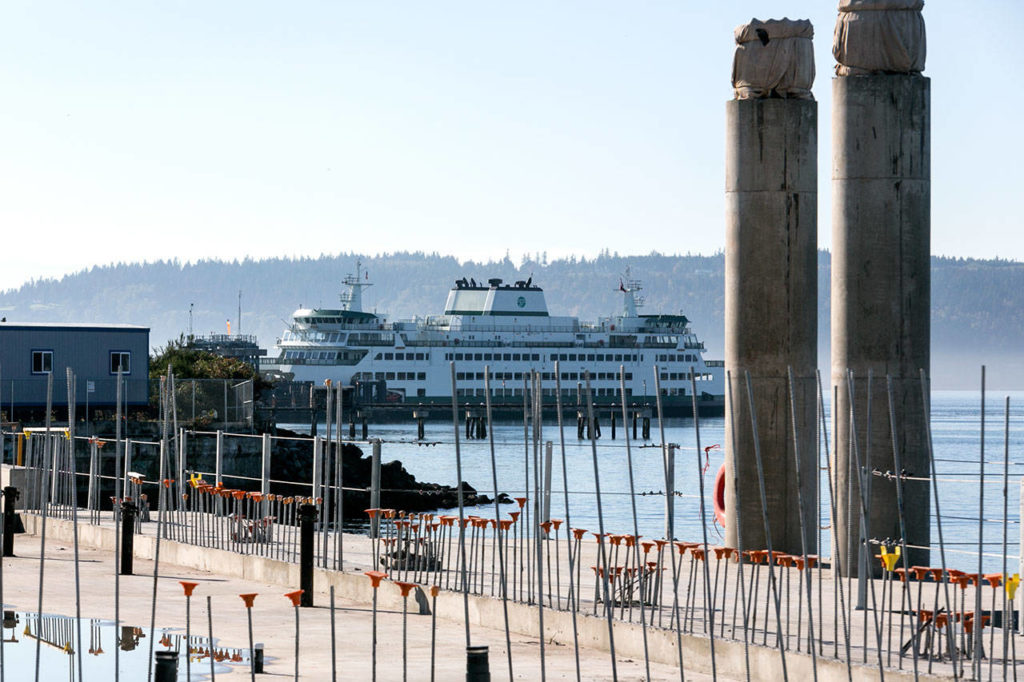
x,y
881,289
771,282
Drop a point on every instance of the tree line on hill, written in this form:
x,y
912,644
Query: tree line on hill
x,y
977,305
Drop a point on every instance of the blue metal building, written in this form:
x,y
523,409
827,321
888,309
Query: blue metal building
x,y
29,353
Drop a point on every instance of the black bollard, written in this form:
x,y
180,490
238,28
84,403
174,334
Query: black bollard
x,y
166,666
352,430
257,658
366,432
477,667
647,428
11,496
128,510
307,519
419,429
634,426
613,425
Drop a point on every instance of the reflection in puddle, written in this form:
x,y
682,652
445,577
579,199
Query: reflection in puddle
x,y
55,638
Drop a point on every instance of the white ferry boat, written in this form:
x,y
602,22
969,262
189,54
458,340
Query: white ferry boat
x,y
506,327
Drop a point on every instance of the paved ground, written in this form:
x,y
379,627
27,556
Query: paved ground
x,y
274,624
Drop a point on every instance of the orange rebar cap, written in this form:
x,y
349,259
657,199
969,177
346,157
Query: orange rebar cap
x,y
406,588
188,587
248,599
295,596
993,579
375,577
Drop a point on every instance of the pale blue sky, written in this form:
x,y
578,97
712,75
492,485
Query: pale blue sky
x,y
137,130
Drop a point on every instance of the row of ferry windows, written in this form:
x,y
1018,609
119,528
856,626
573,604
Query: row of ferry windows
x,y
568,392
400,356
545,376
535,357
401,376
326,337
682,357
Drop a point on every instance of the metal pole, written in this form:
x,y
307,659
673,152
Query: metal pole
x,y
669,492
739,541
573,558
265,475
340,479
375,487
1006,508
708,606
978,618
114,509
602,558
209,626
46,467
767,528
546,516
636,552
462,511
836,555
862,474
497,516
806,573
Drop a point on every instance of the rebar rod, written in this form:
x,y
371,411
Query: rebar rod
x,y
739,535
573,595
603,558
805,574
832,541
669,484
462,511
497,515
708,606
767,529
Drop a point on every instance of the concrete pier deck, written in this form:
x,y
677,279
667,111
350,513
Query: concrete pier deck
x,y
225,574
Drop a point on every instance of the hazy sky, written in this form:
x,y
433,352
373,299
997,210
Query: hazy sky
x,y
138,130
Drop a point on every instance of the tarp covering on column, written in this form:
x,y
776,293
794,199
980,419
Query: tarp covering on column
x,y
879,36
774,58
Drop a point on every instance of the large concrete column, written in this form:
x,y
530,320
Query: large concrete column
x,y
880,300
771,316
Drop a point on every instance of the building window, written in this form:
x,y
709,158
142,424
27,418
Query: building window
x,y
42,361
120,360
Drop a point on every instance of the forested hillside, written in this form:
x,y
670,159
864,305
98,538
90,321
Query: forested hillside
x,y
978,305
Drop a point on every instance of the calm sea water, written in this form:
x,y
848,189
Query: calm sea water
x,y
956,432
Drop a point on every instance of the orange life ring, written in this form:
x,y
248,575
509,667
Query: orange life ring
x,y
718,496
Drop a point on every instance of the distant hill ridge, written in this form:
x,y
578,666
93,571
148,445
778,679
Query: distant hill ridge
x,y
977,305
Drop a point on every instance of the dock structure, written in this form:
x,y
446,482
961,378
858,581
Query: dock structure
x,y
881,170
771,283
